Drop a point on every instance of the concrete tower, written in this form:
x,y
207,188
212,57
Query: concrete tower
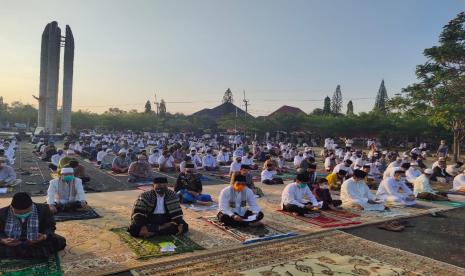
x,y
67,81
49,78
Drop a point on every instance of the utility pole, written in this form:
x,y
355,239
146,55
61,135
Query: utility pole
x,y
246,103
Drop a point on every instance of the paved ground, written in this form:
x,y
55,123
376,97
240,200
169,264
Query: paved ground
x,y
435,237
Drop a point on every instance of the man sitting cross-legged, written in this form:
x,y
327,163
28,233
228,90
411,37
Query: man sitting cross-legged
x,y
66,193
27,230
389,190
189,187
459,183
423,190
157,212
297,197
140,170
356,194
238,206
121,163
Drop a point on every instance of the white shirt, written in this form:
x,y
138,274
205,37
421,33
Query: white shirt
x,y
267,175
224,197
55,159
153,158
412,173
297,160
247,161
52,192
459,182
293,194
422,185
223,157
355,192
235,167
195,159
160,209
169,161
342,166
208,161
100,155
452,170
390,186
389,172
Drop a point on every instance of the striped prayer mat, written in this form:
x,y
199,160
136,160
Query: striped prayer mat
x,y
76,215
452,204
151,247
16,267
247,234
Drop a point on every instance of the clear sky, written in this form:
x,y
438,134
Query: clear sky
x,y
280,52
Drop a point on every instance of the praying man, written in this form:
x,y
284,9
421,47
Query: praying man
x,y
66,193
27,230
238,205
356,194
157,212
297,197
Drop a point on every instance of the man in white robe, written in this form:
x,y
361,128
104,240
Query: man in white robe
x,y
297,197
413,172
389,190
356,194
459,183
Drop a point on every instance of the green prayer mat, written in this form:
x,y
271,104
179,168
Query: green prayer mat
x,y
453,204
36,267
150,248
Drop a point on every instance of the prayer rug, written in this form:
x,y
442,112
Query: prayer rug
x,y
145,188
452,204
200,208
341,213
117,174
75,215
42,267
151,247
419,206
322,220
247,234
456,193
327,263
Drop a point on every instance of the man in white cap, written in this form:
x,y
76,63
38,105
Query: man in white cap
x,y
459,183
120,163
7,174
423,190
107,160
66,193
413,172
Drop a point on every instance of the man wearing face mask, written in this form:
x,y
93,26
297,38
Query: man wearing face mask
x,y
27,230
235,166
223,158
209,162
389,190
238,205
157,212
140,170
268,176
297,197
120,163
189,187
7,174
66,193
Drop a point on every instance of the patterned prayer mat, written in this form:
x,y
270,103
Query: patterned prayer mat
x,y
248,235
341,213
151,248
200,208
327,263
324,221
365,255
44,267
452,204
75,215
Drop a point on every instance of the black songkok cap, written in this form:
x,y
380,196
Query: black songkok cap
x,y
342,172
360,174
245,167
190,166
21,201
405,166
160,180
302,177
239,178
312,166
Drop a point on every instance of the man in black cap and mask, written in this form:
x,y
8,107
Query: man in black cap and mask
x,y
27,230
157,212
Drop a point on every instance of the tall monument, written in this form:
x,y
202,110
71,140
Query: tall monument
x,y
49,78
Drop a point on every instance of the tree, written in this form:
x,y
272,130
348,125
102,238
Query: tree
x,y
327,106
381,99
162,108
336,103
350,108
228,96
148,107
440,93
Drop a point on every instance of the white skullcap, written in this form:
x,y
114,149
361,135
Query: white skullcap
x,y
414,164
67,170
109,150
428,171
